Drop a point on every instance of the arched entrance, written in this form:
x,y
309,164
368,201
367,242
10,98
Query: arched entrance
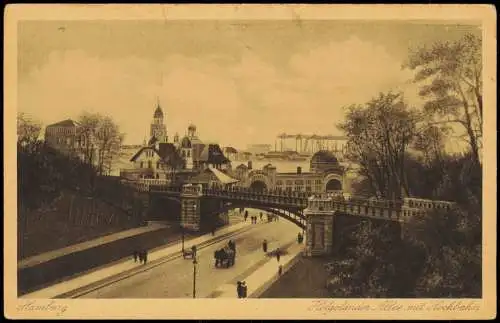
x,y
333,185
258,186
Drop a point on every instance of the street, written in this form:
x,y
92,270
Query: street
x,y
174,279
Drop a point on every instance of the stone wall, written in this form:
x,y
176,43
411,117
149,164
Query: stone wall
x,y
53,271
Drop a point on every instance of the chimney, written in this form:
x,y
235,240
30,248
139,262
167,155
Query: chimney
x,y
299,170
249,164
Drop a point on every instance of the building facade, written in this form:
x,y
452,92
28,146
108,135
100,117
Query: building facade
x,y
158,158
325,175
67,137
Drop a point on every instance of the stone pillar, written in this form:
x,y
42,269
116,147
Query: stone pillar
x,y
309,238
329,222
319,225
190,207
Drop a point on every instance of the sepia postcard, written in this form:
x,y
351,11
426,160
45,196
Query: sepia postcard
x,y
250,162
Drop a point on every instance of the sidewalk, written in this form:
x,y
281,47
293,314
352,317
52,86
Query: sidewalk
x,y
126,266
47,256
262,278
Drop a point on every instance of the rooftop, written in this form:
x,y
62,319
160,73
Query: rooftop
x,y
65,123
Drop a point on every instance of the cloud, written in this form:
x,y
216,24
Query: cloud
x,y
233,101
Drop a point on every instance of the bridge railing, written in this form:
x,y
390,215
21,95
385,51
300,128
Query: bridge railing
x,y
269,196
381,209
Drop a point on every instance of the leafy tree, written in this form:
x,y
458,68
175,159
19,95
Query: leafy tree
x,y
379,136
28,131
108,141
172,164
451,78
452,263
102,140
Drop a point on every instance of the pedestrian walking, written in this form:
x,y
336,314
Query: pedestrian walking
x,y
260,216
239,289
280,270
299,238
278,254
264,245
245,217
135,255
244,289
213,231
145,256
140,256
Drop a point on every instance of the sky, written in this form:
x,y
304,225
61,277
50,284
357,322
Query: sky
x,y
239,82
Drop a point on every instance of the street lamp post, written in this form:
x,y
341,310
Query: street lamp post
x,y
194,275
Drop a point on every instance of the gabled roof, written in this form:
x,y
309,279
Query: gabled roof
x,y
167,150
231,150
213,174
242,166
164,151
152,140
213,155
195,140
222,177
65,123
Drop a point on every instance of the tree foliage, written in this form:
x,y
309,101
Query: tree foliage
x,y
102,139
439,254
379,135
172,164
28,131
450,74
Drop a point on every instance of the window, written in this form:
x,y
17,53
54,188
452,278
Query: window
x,y
142,164
298,182
308,189
308,182
279,182
318,181
157,165
189,153
150,164
183,153
289,182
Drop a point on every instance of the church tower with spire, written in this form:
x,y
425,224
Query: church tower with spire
x,y
158,128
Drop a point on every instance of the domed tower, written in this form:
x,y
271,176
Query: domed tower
x,y
192,131
323,161
158,128
186,149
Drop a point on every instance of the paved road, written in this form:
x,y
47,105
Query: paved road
x,y
174,279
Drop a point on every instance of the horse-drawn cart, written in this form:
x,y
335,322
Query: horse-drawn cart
x,y
225,257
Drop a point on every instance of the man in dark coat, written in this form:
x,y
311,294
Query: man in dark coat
x,y
244,289
239,289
